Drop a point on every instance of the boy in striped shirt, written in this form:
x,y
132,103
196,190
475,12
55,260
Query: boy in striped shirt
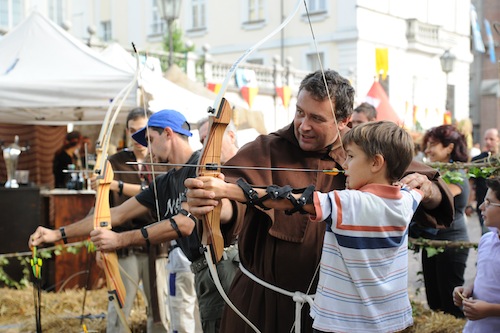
x,y
364,265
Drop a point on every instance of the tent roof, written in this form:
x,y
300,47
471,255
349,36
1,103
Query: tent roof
x,y
160,92
378,98
47,76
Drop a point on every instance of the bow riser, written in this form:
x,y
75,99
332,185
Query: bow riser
x,y
210,155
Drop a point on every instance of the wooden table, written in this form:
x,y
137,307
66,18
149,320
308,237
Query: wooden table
x,y
70,271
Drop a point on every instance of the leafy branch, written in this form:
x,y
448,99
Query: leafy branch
x,y
434,247
484,168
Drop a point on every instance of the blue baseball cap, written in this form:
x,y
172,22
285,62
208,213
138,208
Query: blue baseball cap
x,y
164,118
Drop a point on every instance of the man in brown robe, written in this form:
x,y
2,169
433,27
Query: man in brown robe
x,y
285,250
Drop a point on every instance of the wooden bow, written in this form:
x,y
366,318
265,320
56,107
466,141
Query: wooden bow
x,y
102,212
212,236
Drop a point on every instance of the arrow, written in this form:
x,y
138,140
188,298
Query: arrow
x,y
331,172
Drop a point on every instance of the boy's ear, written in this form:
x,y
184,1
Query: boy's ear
x,y
378,162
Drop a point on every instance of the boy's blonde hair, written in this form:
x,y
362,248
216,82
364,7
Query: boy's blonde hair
x,y
387,139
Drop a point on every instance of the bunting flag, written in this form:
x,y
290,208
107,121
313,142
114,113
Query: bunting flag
x,y
415,112
447,118
215,87
246,80
248,94
382,62
378,98
476,30
284,93
491,42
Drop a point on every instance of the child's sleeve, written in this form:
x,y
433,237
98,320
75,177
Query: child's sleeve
x,y
322,206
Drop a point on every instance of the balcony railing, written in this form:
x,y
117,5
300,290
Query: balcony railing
x,y
422,35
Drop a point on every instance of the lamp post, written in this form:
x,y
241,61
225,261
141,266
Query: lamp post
x,y
447,63
170,10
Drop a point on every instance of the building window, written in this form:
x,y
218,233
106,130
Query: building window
x,y
158,25
4,14
316,6
106,31
17,11
10,13
198,12
56,11
313,61
255,11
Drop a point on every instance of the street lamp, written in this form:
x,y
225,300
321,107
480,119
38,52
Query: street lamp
x,y
447,63
170,10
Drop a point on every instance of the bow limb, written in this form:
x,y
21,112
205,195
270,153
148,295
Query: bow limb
x,y
102,211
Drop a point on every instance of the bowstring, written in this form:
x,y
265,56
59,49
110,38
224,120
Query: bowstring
x,y
336,125
150,153
323,74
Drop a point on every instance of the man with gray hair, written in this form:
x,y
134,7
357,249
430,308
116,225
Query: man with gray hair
x,y
229,145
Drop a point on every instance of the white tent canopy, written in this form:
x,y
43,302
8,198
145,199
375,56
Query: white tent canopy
x,y
49,77
161,93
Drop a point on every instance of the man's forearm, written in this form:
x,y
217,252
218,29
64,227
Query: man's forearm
x,y
80,228
434,199
158,232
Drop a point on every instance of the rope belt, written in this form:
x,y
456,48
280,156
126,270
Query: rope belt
x,y
298,297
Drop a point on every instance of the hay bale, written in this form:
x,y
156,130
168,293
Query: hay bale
x,y
60,311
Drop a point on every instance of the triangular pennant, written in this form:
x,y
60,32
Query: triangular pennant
x,y
284,93
215,87
248,94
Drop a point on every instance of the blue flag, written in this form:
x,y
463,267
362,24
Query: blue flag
x,y
491,42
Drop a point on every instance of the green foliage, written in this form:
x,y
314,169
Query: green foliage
x,y
179,46
47,253
482,172
432,251
453,177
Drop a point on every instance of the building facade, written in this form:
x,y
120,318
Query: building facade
x,y
407,36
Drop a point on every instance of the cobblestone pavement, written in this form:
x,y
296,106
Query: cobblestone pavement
x,y
415,280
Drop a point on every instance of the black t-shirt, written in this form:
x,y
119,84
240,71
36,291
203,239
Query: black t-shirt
x,y
119,163
60,163
171,189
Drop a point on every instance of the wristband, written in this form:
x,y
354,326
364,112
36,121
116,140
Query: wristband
x,y
175,227
63,235
188,214
145,234
120,187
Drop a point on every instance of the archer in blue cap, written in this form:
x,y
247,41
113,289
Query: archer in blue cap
x,y
161,119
